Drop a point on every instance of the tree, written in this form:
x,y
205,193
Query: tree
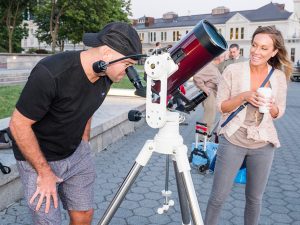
x,y
11,22
70,19
47,16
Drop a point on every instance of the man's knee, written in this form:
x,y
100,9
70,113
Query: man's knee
x,y
81,217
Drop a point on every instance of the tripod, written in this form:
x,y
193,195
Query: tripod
x,y
167,141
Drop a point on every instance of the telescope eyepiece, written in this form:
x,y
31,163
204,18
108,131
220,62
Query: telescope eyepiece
x,y
135,79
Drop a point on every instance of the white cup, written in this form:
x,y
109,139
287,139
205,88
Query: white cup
x,y
266,92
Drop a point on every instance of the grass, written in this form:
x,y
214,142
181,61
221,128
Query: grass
x,y
8,98
125,82
139,67
9,95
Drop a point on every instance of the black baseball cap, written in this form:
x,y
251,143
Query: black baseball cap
x,y
120,36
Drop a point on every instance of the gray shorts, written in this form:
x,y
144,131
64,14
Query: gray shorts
x,y
76,192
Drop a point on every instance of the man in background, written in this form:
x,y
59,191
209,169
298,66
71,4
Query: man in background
x,y
234,57
207,80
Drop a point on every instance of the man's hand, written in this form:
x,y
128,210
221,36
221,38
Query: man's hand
x,y
46,188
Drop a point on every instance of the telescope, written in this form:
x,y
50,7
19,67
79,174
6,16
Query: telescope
x,y
193,52
189,55
165,73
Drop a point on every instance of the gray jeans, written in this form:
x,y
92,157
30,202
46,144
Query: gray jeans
x,y
229,159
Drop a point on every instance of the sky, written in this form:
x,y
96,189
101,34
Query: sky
x,y
156,8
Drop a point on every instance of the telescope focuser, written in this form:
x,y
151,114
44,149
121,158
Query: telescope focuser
x,y
189,105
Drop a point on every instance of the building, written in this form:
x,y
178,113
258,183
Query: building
x,y
31,42
236,27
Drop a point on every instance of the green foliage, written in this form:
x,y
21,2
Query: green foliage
x,y
76,17
11,29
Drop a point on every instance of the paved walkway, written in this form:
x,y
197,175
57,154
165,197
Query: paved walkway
x,y
281,203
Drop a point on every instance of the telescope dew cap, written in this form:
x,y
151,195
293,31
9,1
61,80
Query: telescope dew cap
x,y
120,36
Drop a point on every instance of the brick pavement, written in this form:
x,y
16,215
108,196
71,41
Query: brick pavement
x,y
281,203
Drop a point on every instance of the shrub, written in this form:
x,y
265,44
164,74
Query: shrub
x,y
41,51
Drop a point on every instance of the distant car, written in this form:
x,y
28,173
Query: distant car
x,y
296,74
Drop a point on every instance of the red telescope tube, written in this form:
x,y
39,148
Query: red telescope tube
x,y
194,51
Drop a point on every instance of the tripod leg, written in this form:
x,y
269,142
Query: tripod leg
x,y
184,171
167,173
140,162
184,207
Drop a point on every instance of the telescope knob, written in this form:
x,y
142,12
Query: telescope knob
x,y
135,115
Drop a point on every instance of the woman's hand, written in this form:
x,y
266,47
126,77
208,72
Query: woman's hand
x,y
269,103
253,98
273,109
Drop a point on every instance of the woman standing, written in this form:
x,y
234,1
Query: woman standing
x,y
250,135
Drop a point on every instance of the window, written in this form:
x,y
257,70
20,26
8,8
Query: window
x,y
163,36
176,36
152,36
241,51
231,33
293,54
242,33
141,36
236,33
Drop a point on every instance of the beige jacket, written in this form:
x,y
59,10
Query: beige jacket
x,y
236,79
207,78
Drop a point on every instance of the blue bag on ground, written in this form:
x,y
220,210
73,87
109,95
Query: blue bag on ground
x,y
241,176
199,157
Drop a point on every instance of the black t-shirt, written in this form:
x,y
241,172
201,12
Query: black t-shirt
x,y
60,97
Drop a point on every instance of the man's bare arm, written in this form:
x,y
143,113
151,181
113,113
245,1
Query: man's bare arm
x,y
21,129
23,134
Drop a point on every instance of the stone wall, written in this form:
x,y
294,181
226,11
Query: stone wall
x,y
20,61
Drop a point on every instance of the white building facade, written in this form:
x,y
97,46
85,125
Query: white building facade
x,y
236,27
31,42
